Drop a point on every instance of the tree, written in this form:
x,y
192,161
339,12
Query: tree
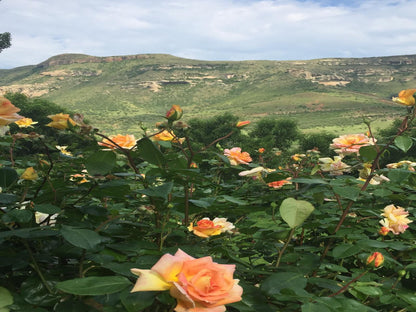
x,y
271,133
5,39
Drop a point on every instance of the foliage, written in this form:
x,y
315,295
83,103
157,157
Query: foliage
x,y
123,93
70,234
270,133
320,141
5,39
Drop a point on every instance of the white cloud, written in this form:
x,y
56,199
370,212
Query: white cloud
x,y
207,29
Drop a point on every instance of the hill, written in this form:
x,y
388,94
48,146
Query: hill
x,y
118,93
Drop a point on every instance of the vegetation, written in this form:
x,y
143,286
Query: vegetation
x,y
123,94
299,232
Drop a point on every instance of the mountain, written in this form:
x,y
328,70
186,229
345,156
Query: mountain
x,y
119,93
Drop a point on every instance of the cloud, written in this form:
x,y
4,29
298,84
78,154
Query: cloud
x,y
207,29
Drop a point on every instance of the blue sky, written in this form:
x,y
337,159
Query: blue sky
x,y
207,29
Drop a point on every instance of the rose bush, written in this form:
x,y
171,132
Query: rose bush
x,y
199,285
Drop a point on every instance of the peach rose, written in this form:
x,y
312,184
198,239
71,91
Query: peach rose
x,y
406,97
60,121
127,141
237,157
199,285
350,143
167,136
8,112
395,219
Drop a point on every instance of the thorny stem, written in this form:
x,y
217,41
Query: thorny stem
x,y
284,247
345,287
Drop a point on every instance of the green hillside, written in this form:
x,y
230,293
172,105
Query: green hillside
x,y
119,93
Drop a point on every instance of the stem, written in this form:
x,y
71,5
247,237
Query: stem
x,y
292,231
36,267
345,287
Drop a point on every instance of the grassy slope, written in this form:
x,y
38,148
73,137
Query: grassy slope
x,y
117,96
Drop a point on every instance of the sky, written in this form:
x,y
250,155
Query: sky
x,y
230,30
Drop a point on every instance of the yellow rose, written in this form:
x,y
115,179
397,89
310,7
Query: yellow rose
x,y
60,121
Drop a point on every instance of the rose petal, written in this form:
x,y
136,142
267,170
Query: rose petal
x,y
149,281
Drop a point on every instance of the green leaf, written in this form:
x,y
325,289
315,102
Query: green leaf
x,y
234,200
5,297
7,176
398,175
18,215
202,203
368,153
403,142
283,280
345,250
94,285
369,290
82,238
100,163
294,212
137,301
150,153
347,192
47,208
7,198
161,191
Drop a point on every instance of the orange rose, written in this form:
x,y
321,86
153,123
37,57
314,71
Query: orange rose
x,y
205,228
237,157
8,112
60,121
242,124
127,141
199,285
278,184
175,113
350,143
375,260
405,97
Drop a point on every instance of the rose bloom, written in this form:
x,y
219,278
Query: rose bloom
x,y
375,260
407,164
167,136
175,113
256,172
350,143
333,166
127,141
199,285
25,123
405,97
60,121
395,219
8,112
205,228
279,184
242,124
237,157
226,226
29,174
383,231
